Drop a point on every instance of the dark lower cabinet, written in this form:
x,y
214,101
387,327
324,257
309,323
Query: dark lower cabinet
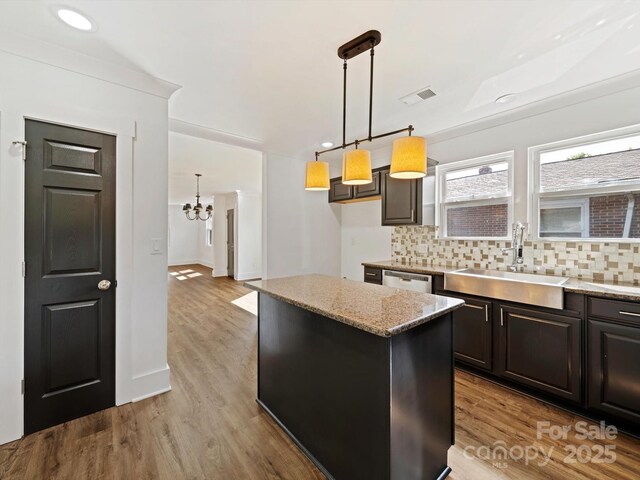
x,y
401,200
373,275
472,333
338,191
541,350
614,369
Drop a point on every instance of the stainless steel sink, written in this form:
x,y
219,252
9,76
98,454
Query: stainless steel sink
x,y
532,289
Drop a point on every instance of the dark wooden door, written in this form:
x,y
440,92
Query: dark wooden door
x,y
401,200
69,248
230,244
472,333
614,369
338,191
541,350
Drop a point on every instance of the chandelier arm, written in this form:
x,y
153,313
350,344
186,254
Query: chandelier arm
x,y
188,216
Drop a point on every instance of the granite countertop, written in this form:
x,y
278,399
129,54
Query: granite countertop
x,y
383,311
410,267
617,290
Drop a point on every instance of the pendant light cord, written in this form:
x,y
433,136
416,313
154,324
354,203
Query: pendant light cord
x,y
371,93
344,105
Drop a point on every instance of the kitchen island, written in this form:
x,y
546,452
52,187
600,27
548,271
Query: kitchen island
x,y
360,376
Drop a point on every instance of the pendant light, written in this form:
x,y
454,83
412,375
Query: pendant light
x,y
409,158
356,167
317,177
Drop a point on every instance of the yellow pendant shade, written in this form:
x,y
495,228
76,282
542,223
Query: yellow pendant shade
x,y
409,158
317,176
356,167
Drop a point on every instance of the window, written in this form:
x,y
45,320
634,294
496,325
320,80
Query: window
x,y
209,231
587,187
475,197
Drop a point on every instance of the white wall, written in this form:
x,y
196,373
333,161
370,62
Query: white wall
x,y
41,91
183,238
302,231
603,113
249,236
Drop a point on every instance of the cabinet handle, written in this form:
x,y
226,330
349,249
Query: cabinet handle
x,y
370,274
630,314
473,306
486,314
412,215
501,317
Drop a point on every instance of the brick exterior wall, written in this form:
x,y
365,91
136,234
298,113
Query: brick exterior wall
x,y
479,221
607,216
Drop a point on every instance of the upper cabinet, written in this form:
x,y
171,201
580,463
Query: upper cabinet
x,y
339,192
401,200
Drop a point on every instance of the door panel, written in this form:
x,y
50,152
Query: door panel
x,y
541,350
401,200
338,191
614,375
69,248
472,333
72,231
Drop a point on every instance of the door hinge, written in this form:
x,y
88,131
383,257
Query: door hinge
x,y
24,148
22,386
24,269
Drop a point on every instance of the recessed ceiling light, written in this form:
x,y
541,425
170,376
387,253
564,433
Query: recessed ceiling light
x,y
509,97
520,56
75,19
601,22
327,144
557,37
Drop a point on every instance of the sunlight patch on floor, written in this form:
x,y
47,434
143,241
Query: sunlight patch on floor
x,y
248,302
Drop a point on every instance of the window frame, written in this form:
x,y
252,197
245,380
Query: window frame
x,y
508,198
535,196
208,232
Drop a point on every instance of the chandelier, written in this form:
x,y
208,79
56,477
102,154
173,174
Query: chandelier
x,y
409,156
188,210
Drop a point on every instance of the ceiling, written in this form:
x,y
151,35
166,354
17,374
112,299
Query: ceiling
x,y
224,169
267,71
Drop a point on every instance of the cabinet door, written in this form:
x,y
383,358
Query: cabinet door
x,y
541,350
369,190
373,275
401,200
339,192
472,333
614,369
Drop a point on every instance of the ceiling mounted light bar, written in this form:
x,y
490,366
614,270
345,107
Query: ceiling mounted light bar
x,y
409,158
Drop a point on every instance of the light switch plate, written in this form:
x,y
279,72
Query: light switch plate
x,y
156,246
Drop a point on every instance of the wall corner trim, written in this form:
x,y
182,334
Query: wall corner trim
x,y
150,384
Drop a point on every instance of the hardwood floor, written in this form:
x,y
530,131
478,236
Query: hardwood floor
x,y
209,425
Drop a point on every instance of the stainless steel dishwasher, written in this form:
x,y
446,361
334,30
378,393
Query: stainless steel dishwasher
x,y
407,281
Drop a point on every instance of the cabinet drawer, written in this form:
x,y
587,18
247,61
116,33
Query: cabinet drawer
x,y
373,275
628,312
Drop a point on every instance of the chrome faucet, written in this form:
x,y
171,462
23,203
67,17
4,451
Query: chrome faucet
x,y
517,242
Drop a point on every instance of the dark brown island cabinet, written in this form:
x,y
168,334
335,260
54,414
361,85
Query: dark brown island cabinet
x,y
359,376
401,199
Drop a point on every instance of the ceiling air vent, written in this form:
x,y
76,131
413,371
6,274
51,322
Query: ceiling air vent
x,y
418,96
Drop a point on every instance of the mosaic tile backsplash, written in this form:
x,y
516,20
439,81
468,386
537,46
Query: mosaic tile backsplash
x,y
617,262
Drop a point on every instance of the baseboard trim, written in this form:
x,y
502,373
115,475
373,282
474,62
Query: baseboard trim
x,y
151,384
242,277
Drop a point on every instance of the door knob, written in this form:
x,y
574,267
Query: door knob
x,y
104,285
